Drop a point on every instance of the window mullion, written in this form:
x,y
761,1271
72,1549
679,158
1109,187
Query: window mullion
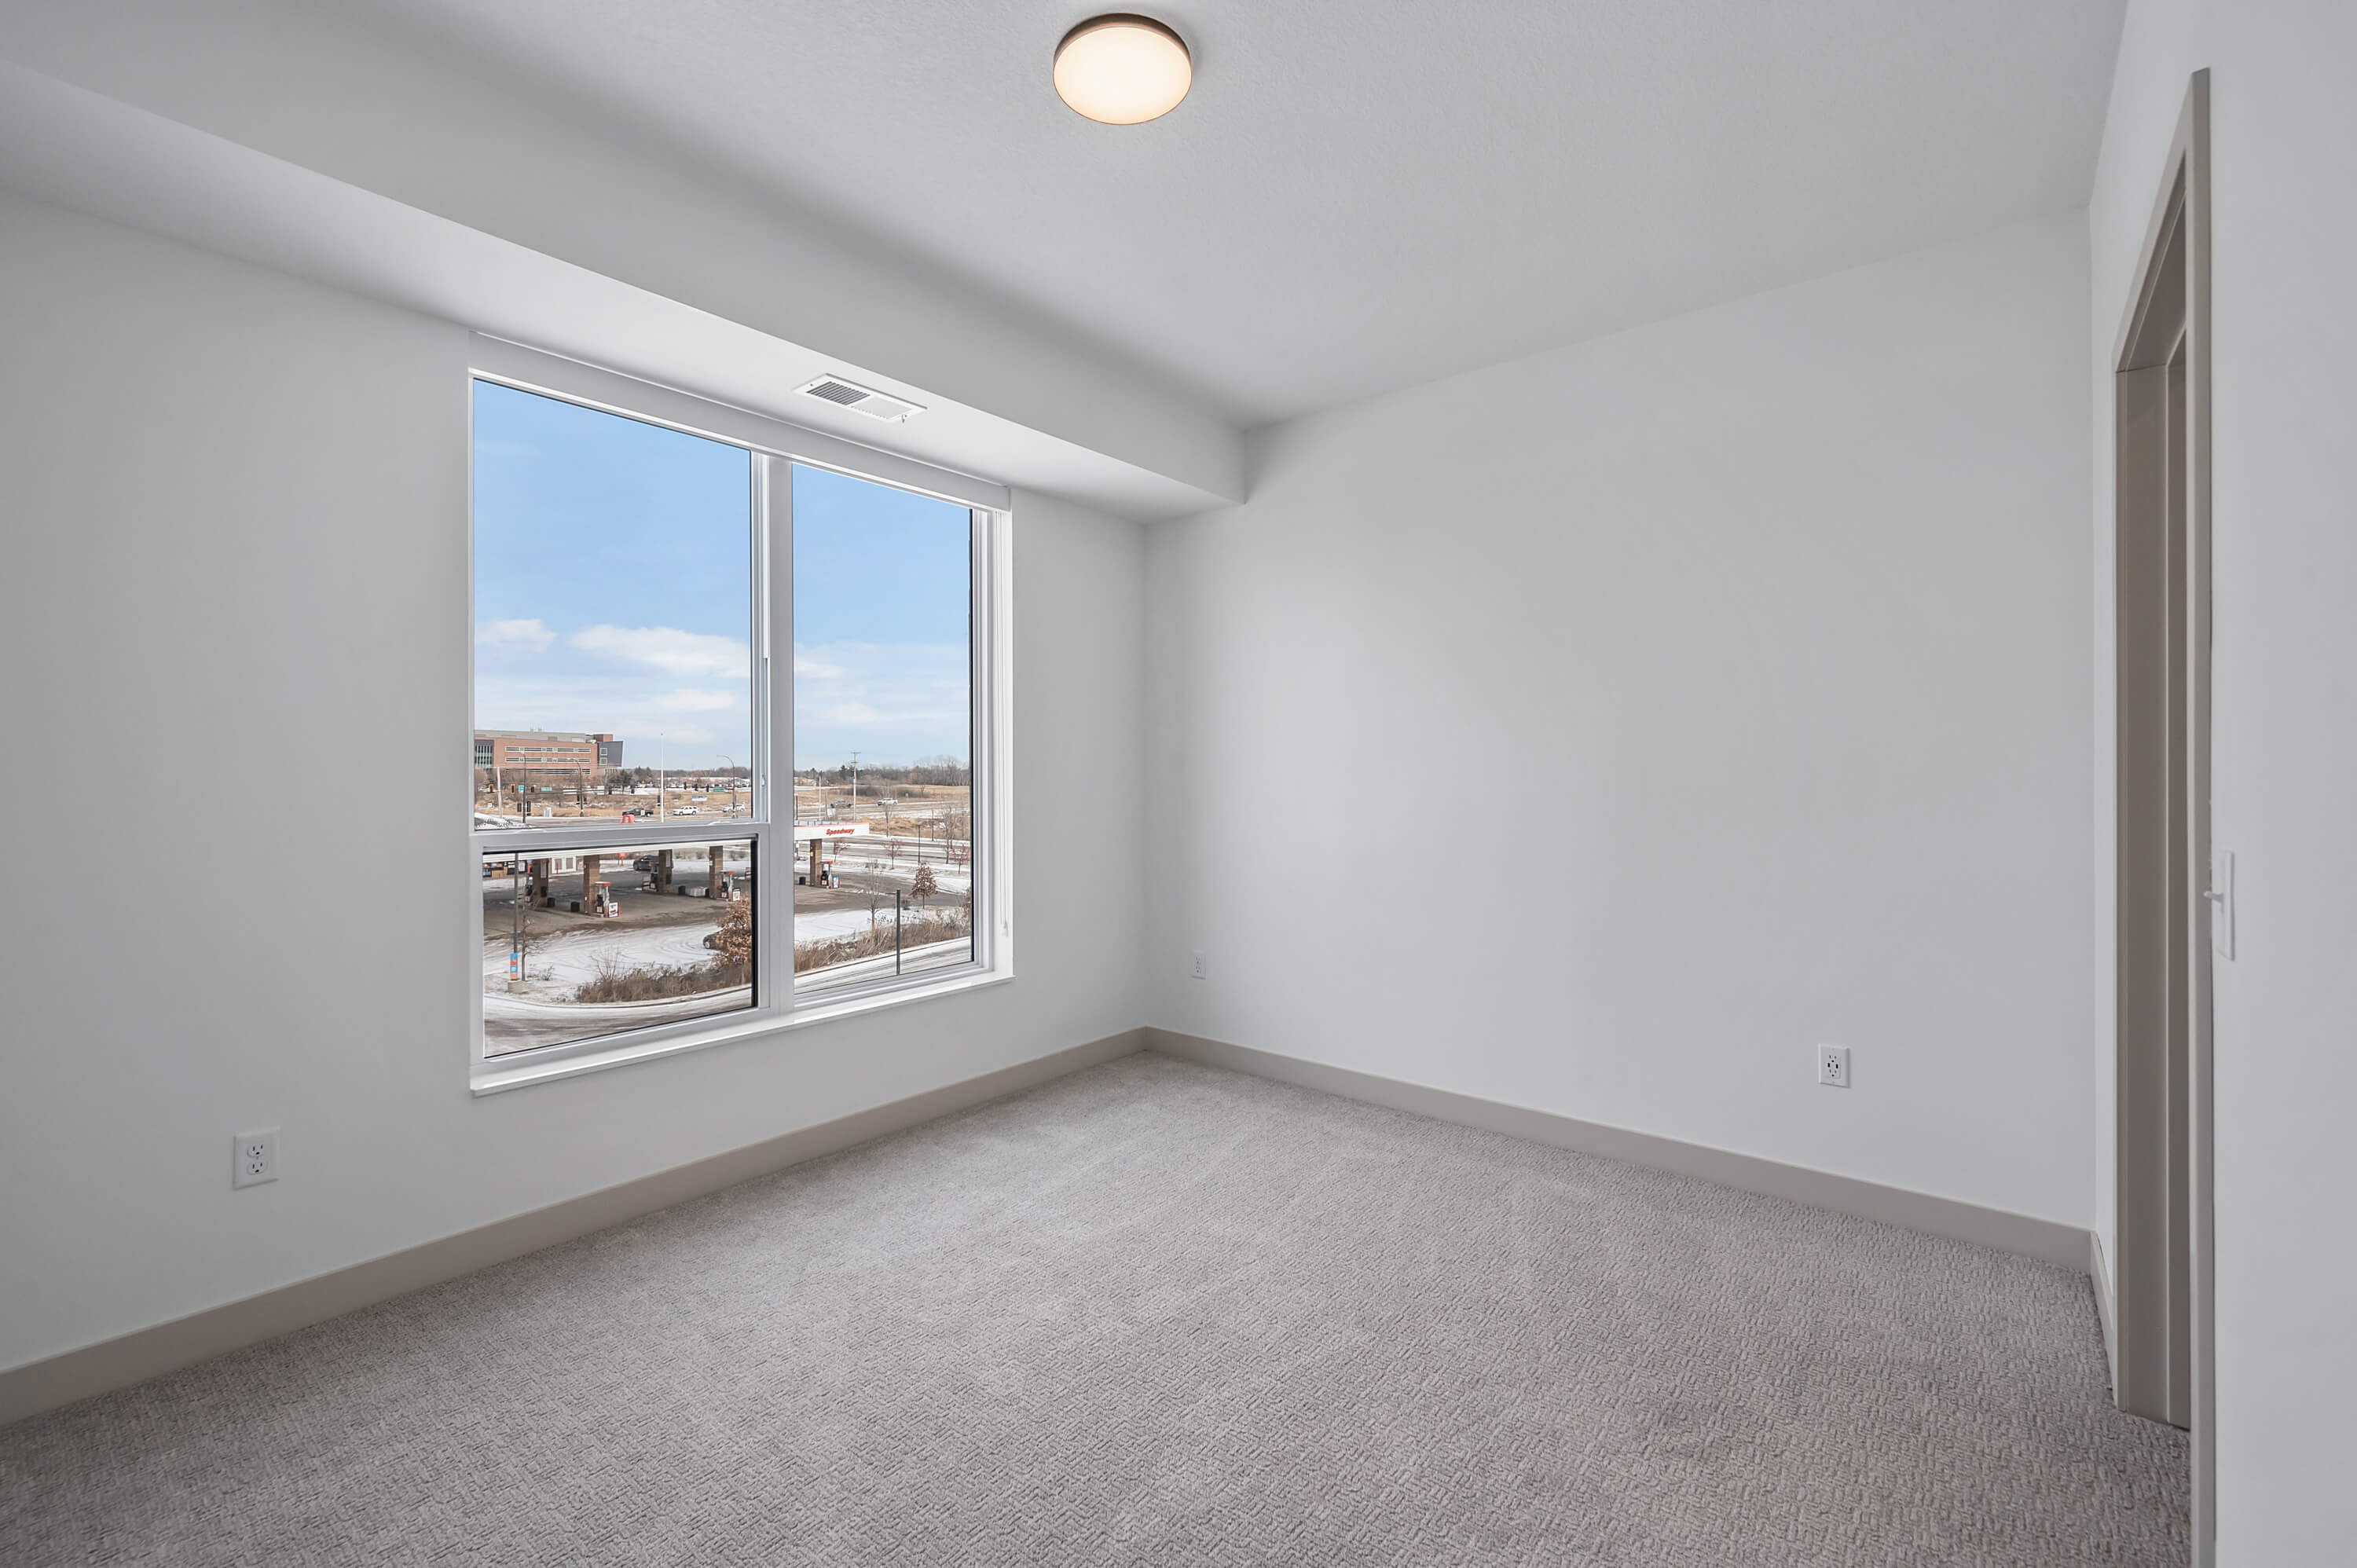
x,y
775,885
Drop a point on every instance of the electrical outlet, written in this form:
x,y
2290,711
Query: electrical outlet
x,y
256,1158
1833,1065
1200,969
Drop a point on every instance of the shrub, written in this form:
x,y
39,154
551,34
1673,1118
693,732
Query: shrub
x,y
612,983
916,930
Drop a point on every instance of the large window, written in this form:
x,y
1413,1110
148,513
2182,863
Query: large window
x,y
698,793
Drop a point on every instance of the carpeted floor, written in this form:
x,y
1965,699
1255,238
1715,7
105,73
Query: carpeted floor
x,y
1155,1314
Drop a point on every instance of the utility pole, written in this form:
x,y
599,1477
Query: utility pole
x,y
662,776
855,783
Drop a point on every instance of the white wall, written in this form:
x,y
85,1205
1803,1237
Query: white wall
x,y
1601,731
236,511
2284,143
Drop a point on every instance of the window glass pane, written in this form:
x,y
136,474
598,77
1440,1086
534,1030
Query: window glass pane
x,y
613,615
579,943
883,731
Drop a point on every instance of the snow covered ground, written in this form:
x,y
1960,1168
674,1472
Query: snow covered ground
x,y
834,925
559,964
868,857
542,1012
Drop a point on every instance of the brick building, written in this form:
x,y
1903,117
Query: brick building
x,y
518,754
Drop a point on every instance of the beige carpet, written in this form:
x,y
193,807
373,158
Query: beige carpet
x,y
1156,1314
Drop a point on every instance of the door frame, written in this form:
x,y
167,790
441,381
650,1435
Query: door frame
x,y
2164,1365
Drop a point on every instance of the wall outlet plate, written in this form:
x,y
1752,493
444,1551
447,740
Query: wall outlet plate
x,y
255,1157
1199,966
1833,1065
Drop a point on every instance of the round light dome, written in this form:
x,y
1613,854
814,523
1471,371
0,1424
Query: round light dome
x,y
1123,70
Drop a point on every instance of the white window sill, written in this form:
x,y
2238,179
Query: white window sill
x,y
490,1078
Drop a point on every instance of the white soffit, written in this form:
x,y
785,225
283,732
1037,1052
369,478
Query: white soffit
x,y
1083,433
535,370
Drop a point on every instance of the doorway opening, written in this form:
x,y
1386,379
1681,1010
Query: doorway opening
x,y
2162,1365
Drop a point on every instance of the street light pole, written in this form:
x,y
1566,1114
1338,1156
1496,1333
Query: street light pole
x,y
515,929
855,783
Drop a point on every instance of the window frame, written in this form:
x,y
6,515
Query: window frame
x,y
774,447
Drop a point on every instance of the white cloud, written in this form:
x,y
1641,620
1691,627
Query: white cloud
x,y
897,699
849,713
668,649
528,634
698,702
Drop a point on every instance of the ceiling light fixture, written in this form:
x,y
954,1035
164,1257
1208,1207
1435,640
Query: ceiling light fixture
x,y
1122,70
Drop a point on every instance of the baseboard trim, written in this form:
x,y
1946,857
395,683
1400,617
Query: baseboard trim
x,y
147,1353
2045,1240
2107,1305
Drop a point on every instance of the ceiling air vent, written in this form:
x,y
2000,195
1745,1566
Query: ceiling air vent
x,y
866,400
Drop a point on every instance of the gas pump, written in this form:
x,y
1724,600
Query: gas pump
x,y
603,905
819,869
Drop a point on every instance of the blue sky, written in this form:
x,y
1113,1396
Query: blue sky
x,y
613,592
882,608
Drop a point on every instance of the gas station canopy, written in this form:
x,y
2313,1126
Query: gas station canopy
x,y
807,831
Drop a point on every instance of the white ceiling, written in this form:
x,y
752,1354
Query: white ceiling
x,y
1359,195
